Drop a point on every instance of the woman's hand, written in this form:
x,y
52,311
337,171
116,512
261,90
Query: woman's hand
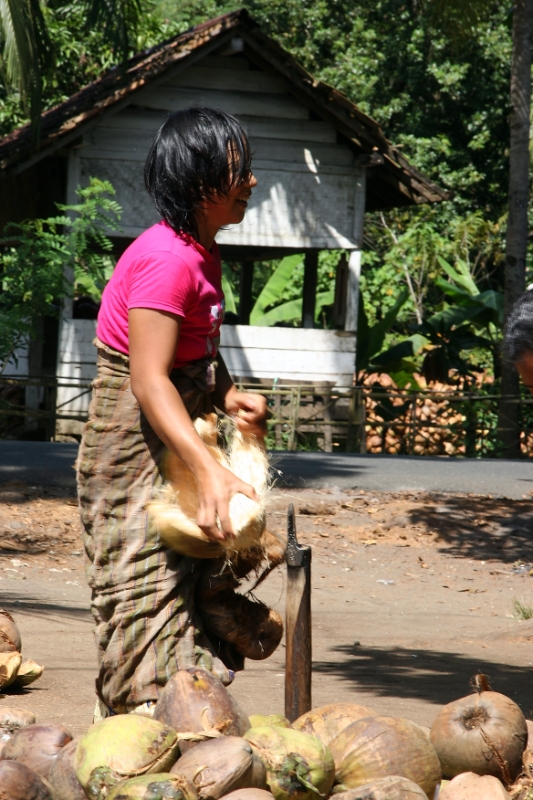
x,y
153,339
249,410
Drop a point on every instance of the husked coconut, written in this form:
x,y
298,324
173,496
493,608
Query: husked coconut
x,y
19,782
217,766
175,510
328,721
37,746
196,704
376,747
469,786
485,733
392,787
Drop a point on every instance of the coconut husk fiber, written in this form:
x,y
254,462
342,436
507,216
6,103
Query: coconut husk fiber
x,y
175,510
250,626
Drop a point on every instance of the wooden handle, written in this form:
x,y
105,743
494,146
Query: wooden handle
x,y
298,626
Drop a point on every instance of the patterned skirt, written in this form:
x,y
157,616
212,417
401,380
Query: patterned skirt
x,y
143,605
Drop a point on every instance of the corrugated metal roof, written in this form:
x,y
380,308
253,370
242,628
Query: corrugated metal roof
x,y
392,180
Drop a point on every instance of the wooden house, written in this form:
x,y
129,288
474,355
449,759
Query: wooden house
x,y
320,162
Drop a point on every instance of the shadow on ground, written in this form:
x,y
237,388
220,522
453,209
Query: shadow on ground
x,y
34,607
432,676
480,527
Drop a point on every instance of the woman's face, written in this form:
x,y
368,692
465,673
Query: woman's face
x,y
229,209
525,369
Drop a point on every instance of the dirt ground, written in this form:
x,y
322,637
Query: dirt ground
x,y
412,595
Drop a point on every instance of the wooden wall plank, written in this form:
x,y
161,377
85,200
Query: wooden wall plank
x,y
280,106
222,79
314,340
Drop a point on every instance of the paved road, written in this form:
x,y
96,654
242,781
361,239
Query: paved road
x,y
45,463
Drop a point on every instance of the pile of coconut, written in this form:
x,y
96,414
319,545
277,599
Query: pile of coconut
x,y
200,745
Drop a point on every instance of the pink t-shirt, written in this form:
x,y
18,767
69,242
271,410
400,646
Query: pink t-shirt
x,y
162,270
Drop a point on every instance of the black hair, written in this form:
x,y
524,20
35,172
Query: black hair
x,y
197,153
518,335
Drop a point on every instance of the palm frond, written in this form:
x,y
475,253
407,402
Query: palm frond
x,y
118,20
27,51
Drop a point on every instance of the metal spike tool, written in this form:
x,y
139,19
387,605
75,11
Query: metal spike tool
x,y
298,652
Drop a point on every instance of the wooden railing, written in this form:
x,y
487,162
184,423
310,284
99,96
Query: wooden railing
x,y
367,419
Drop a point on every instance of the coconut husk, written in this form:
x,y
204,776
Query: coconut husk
x,y
249,794
469,786
9,667
10,640
376,747
175,509
12,719
154,787
18,782
328,721
277,720
28,672
485,733
217,766
254,629
62,777
392,787
196,704
37,746
123,747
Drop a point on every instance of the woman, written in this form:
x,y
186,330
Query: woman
x,y
157,340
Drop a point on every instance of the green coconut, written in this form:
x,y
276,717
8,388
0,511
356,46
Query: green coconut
x,y
160,786
328,721
298,766
377,747
121,747
277,720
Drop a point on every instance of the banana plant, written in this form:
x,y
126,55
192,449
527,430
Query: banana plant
x,y
265,311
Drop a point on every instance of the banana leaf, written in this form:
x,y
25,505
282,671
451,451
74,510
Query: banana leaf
x,y
230,304
273,289
292,310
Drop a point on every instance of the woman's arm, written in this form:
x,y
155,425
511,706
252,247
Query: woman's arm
x,y
153,340
249,410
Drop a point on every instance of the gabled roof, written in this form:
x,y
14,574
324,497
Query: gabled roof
x,y
392,181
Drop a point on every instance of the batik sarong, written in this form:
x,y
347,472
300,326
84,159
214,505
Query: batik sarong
x,y
147,627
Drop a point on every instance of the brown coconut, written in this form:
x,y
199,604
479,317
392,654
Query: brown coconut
x,y
469,786
12,719
376,747
37,746
62,777
19,782
217,766
328,721
391,788
249,794
485,733
196,704
10,640
174,511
